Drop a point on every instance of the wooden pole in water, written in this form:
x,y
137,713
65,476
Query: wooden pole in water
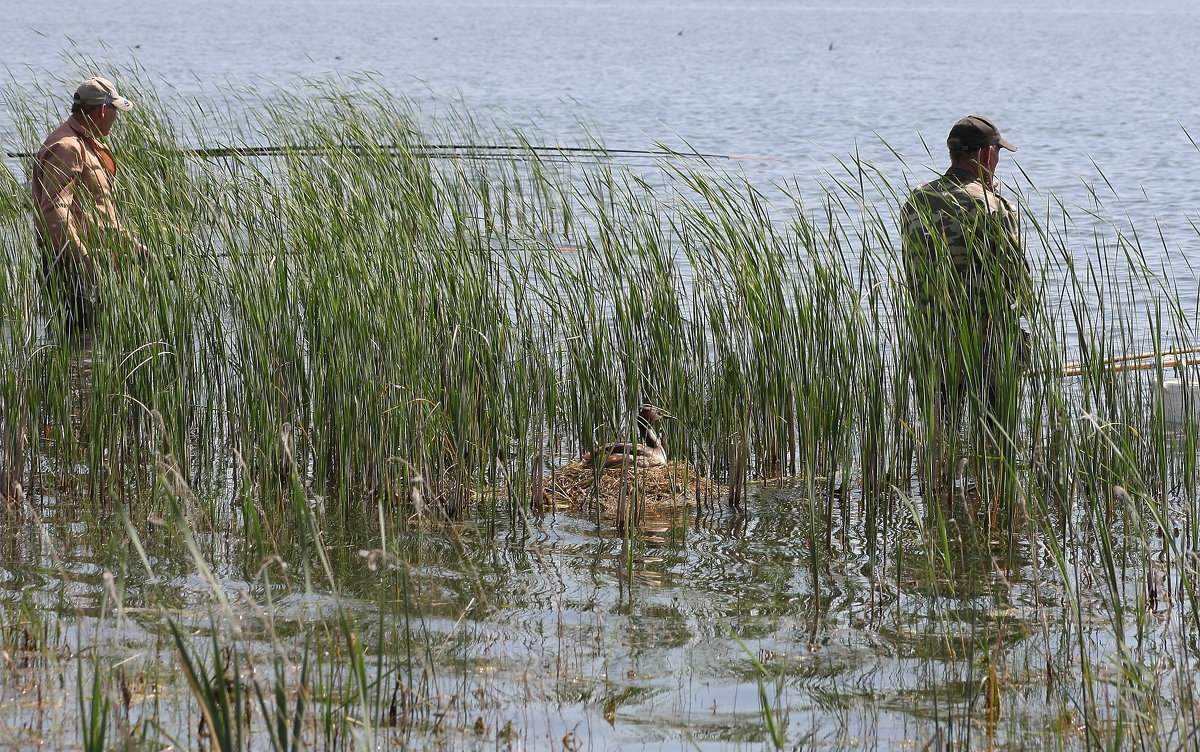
x,y
1125,362
1118,366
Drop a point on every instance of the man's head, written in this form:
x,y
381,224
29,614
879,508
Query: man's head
x,y
975,144
97,101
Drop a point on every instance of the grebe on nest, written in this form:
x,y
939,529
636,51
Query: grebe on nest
x,y
648,452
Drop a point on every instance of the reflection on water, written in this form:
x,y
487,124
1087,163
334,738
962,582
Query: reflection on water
x,y
569,629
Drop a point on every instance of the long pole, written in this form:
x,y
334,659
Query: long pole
x,y
438,151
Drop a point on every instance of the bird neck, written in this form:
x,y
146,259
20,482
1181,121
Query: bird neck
x,y
648,436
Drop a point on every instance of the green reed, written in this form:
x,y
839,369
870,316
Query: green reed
x,y
353,348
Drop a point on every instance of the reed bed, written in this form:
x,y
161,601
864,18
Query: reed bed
x,y
301,462
623,495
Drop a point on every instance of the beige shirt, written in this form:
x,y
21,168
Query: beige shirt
x,y
72,194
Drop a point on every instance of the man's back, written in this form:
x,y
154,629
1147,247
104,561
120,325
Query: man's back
x,y
962,247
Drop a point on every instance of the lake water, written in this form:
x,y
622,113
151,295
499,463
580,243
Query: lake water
x,y
1082,88
1071,83
642,626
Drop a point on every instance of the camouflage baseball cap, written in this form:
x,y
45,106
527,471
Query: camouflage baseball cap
x,y
975,132
97,91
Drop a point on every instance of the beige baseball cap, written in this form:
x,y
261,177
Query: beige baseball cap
x,y
97,91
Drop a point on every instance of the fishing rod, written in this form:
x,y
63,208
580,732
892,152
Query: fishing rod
x,y
435,151
292,253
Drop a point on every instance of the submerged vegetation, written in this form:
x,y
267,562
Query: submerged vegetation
x,y
291,492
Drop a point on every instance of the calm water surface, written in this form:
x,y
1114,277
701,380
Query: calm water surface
x,y
1094,94
1071,83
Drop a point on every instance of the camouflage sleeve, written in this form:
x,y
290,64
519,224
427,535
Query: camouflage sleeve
x,y
1015,262
909,219
916,228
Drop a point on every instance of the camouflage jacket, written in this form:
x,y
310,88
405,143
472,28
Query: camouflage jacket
x,y
963,252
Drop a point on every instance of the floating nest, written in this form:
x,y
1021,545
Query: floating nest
x,y
653,491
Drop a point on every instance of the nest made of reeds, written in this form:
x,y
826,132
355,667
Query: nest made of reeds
x,y
627,492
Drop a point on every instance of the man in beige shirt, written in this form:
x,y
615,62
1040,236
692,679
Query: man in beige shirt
x,y
77,223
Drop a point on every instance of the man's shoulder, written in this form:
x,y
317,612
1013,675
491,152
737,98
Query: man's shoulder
x,y
951,185
62,138
63,150
951,192
942,193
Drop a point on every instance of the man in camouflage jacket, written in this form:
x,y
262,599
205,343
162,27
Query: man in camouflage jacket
x,y
966,274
